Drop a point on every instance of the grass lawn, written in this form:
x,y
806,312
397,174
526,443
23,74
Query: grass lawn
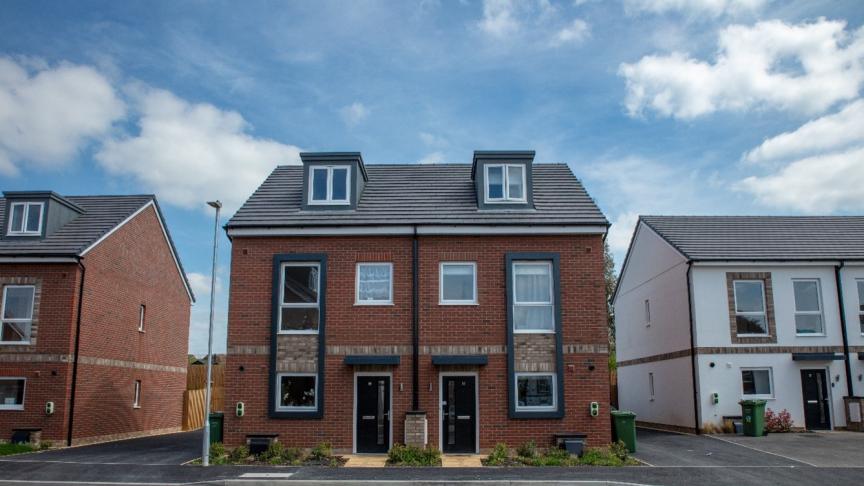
x,y
9,449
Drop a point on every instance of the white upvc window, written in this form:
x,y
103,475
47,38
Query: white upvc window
x,y
25,218
533,302
16,316
136,400
296,392
374,284
536,392
142,314
505,183
651,386
750,316
647,312
329,184
757,383
808,307
861,304
457,283
12,393
299,298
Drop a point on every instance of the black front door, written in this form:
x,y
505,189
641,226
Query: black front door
x,y
373,414
458,414
817,409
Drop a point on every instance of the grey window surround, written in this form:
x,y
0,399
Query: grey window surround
x,y
357,179
478,172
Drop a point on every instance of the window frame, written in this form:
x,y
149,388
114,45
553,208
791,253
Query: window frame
x,y
3,320
278,407
551,302
770,395
136,398
529,408
764,312
441,300
647,312
357,300
283,305
505,174
142,316
23,231
859,283
23,394
651,386
820,312
329,199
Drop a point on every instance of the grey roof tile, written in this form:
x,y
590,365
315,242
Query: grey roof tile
x,y
420,194
763,237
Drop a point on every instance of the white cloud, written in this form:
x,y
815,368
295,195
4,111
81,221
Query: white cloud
x,y
200,284
432,140
433,158
575,33
621,232
710,8
821,165
190,153
501,17
822,183
803,68
48,114
354,113
830,132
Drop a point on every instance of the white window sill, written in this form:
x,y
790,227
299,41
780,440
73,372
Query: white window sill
x,y
315,331
35,233
753,335
14,343
533,331
457,302
536,409
809,335
296,409
506,201
757,397
12,407
374,304
329,203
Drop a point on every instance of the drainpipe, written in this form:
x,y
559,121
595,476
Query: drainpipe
x,y
415,322
75,356
693,363
844,331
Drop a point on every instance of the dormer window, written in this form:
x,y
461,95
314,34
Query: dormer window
x,y
25,218
505,183
330,184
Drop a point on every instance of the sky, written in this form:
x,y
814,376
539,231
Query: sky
x,y
658,106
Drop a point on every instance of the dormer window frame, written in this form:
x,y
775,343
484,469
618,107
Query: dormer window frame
x,y
329,201
505,182
25,216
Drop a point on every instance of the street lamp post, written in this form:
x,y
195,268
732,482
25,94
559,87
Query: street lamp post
x,y
205,453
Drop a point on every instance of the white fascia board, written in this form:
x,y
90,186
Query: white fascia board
x,y
765,263
470,230
140,210
37,259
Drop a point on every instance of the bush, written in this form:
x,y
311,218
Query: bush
x,y
778,422
619,449
322,451
551,457
217,453
273,454
292,455
406,455
499,456
239,454
528,449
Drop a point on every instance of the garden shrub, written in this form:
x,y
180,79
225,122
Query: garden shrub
x,y
499,456
528,449
778,422
217,453
239,454
406,455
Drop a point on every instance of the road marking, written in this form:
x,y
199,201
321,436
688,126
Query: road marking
x,y
760,450
265,475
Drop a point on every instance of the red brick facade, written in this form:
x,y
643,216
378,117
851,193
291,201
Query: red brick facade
x,y
583,318
133,266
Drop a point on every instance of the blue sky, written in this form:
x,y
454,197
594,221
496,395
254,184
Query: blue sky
x,y
659,106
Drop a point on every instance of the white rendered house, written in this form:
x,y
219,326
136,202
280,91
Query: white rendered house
x,y
712,310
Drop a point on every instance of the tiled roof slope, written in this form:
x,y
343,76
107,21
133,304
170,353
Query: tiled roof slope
x,y
763,237
101,214
420,194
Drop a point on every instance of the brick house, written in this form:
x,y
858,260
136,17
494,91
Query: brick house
x,y
425,304
97,278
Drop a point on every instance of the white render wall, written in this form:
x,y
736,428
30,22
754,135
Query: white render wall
x,y
725,378
656,272
849,275
673,392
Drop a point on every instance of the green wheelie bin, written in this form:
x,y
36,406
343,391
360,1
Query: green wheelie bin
x,y
753,412
217,419
625,428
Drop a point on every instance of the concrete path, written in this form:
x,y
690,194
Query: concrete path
x,y
462,460
824,449
362,460
656,448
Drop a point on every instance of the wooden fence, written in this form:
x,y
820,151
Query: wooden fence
x,y
195,395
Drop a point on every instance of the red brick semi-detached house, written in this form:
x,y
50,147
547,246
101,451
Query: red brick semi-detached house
x,y
95,319
455,305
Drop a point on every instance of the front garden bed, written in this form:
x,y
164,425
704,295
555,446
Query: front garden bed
x,y
529,455
413,456
276,455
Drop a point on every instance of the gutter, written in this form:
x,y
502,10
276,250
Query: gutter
x,y
844,331
693,362
415,322
75,355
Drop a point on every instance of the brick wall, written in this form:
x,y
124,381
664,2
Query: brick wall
x,y
459,328
133,266
44,364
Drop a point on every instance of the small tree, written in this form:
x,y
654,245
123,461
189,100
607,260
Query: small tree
x,y
611,282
